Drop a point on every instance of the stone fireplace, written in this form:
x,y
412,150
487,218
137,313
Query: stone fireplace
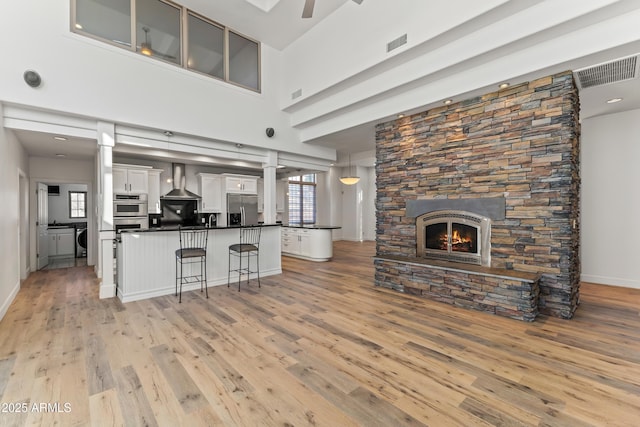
x,y
478,202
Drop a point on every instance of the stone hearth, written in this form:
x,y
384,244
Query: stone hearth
x,y
521,145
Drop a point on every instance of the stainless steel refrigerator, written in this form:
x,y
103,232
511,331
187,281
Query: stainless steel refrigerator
x,y
242,209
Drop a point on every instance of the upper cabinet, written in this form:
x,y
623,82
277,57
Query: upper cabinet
x,y
130,180
210,187
241,185
154,191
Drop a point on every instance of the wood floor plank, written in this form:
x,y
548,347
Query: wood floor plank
x,y
105,409
317,345
185,390
134,404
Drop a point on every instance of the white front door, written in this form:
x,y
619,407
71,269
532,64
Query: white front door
x,y
43,225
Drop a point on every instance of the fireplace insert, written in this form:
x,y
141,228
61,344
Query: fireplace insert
x,y
454,236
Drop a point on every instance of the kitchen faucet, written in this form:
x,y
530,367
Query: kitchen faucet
x,y
211,216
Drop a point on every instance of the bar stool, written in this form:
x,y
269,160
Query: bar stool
x,y
193,250
249,247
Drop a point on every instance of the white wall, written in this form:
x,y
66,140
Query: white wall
x,y
64,171
329,201
92,79
369,205
610,206
13,159
59,205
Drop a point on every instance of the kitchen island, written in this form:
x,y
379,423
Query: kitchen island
x,y
310,242
146,259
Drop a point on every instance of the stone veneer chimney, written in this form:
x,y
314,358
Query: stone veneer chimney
x,y
520,143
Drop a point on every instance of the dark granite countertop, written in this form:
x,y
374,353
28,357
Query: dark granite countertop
x,y
198,227
314,226
56,225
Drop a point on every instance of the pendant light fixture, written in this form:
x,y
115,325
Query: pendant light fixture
x,y
351,178
145,48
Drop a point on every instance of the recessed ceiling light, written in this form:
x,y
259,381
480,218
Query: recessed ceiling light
x,y
613,100
448,101
59,138
61,155
504,85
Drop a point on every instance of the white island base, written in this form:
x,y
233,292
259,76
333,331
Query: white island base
x,y
313,243
146,261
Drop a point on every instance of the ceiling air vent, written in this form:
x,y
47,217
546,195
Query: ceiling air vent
x,y
296,94
611,72
396,43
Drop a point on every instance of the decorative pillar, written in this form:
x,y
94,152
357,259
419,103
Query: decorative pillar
x,y
106,233
269,170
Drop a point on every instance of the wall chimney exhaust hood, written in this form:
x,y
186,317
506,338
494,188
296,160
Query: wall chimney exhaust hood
x,y
179,184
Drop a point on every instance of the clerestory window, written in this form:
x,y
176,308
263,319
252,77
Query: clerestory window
x,y
166,31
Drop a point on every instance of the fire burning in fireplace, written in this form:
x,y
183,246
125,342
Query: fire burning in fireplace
x,y
453,236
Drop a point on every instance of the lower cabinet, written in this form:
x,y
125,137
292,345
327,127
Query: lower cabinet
x,y
62,242
307,243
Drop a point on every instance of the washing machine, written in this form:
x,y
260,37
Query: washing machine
x,y
81,241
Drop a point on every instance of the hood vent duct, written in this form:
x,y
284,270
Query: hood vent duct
x,y
610,72
179,184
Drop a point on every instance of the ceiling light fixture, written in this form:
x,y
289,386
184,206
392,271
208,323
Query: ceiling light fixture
x,y
145,48
59,138
613,100
61,155
448,101
168,133
504,85
400,115
351,178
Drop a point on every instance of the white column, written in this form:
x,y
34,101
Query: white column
x,y
106,141
269,170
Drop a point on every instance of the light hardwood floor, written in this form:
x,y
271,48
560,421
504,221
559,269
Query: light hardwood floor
x,y
318,345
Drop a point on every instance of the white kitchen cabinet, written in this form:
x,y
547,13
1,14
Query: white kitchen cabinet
x,y
130,180
314,244
62,242
241,185
210,187
154,191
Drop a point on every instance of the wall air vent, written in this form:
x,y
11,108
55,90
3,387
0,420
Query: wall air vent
x,y
610,72
296,94
394,44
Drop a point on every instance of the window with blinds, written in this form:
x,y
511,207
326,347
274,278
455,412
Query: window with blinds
x,y
302,199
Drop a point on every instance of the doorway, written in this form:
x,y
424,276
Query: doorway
x,y
63,218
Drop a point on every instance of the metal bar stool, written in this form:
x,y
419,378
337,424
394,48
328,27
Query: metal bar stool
x,y
193,250
249,247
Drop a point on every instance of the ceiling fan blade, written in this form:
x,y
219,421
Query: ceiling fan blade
x,y
307,12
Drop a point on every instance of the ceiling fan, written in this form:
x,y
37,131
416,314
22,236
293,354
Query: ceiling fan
x,y
146,49
307,11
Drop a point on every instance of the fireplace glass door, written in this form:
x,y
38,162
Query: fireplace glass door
x,y
451,236
464,238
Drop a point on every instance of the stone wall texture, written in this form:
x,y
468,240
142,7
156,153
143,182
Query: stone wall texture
x,y
521,143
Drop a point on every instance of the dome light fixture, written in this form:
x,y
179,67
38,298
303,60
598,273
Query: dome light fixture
x,y
351,179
